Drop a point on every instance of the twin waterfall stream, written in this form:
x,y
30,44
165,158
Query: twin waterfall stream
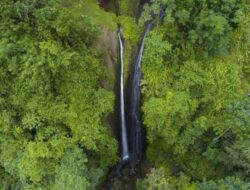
x,y
131,136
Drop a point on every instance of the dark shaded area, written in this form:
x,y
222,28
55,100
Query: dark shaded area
x,y
126,181
137,137
109,5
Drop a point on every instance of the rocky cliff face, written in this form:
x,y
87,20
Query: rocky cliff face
x,y
107,45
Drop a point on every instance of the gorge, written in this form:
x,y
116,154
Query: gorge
x,y
124,94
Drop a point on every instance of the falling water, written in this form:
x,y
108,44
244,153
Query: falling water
x,y
123,129
136,129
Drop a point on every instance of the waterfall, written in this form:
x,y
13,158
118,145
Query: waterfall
x,y
133,150
136,128
123,128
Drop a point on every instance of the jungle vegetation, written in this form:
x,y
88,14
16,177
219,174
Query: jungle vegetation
x,y
54,108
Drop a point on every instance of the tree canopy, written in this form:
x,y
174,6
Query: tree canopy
x,y
52,103
195,85
56,122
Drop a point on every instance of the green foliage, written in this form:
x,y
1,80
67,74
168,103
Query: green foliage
x,y
195,104
131,31
206,25
157,179
54,132
72,172
97,16
227,183
128,7
53,108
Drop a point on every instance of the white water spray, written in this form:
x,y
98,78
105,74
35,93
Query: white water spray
x,y
123,128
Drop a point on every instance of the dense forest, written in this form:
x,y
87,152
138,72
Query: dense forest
x,y
58,93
